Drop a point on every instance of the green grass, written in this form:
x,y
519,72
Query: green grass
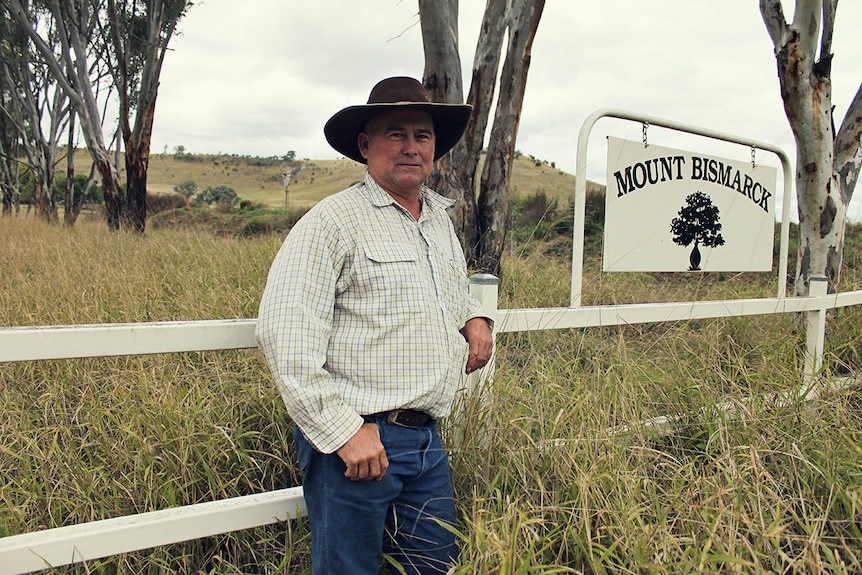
x,y
545,481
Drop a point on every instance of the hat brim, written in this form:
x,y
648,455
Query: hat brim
x,y
343,128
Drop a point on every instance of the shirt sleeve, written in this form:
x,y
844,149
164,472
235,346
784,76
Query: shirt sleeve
x,y
293,330
474,309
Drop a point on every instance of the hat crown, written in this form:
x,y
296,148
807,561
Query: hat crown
x,y
398,89
397,93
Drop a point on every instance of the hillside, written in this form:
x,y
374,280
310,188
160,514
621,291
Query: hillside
x,y
259,179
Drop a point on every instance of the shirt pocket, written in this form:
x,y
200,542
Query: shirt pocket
x,y
387,253
391,278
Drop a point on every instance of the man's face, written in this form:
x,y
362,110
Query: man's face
x,y
399,148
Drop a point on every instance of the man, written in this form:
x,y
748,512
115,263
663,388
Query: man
x,y
367,326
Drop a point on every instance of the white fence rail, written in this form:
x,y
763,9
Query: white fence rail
x,y
36,551
89,541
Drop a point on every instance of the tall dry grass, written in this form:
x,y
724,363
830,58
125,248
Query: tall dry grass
x,y
88,274
557,472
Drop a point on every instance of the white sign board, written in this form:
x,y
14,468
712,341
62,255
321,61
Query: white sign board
x,y
671,210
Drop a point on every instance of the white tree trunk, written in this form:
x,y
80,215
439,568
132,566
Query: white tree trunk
x,y
161,24
71,71
827,164
523,21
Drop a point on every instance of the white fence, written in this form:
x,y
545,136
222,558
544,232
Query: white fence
x,y
30,552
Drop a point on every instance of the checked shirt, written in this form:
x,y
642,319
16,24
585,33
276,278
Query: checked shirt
x,y
362,311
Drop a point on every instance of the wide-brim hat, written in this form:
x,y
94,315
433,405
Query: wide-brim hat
x,y
398,93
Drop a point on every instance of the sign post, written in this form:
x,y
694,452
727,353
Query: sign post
x,y
581,189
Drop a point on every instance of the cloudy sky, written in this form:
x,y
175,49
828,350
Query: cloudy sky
x,y
261,77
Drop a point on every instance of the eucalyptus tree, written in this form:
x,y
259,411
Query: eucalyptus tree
x,y
35,111
75,27
9,119
480,222
140,32
8,148
827,161
9,116
8,155
130,39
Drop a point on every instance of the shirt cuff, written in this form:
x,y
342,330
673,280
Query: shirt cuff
x,y
329,437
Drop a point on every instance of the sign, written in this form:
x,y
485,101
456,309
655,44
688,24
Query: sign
x,y
670,210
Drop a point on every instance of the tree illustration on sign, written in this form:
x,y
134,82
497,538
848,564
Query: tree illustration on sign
x,y
697,223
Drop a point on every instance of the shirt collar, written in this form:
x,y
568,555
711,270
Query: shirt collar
x,y
380,198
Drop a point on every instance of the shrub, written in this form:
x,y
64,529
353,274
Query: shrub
x,y
256,226
532,209
91,195
248,206
186,189
218,194
268,220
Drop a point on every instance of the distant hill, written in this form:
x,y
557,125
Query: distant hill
x,y
259,179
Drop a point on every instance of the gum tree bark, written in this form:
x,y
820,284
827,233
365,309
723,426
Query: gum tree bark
x,y
481,224
140,34
494,186
73,201
827,163
40,138
10,115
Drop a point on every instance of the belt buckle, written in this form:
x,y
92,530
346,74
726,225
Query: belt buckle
x,y
402,418
393,418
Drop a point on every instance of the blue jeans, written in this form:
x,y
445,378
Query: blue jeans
x,y
354,522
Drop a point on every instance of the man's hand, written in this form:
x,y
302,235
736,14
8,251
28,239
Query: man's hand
x,y
478,336
364,455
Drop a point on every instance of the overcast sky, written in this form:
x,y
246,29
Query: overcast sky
x,y
261,77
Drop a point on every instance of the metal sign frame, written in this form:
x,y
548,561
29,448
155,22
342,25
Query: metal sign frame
x,y
581,187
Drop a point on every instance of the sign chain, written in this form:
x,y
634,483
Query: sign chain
x,y
646,126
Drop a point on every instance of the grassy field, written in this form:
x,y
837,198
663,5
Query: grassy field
x,y
544,483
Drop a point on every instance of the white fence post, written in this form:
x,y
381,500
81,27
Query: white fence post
x,y
815,330
476,392
485,288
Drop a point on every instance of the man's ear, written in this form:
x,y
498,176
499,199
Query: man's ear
x,y
363,141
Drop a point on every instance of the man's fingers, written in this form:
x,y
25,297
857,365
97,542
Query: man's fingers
x,y
478,335
366,471
364,455
377,467
363,471
477,360
374,470
384,465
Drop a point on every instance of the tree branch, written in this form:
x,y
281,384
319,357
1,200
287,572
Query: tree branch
x,y
829,7
848,147
806,21
776,25
121,69
823,66
19,14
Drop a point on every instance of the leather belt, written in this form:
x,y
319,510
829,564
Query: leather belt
x,y
405,417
